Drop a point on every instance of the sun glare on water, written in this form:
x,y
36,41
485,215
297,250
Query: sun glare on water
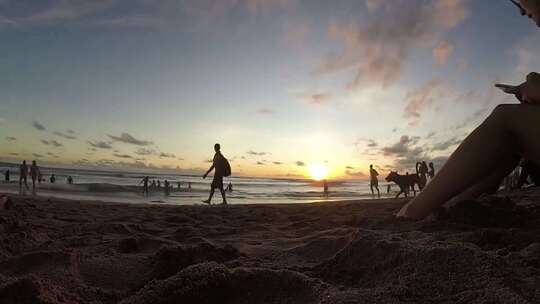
x,y
318,172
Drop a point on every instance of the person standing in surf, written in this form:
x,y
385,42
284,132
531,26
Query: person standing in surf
x,y
374,181
222,168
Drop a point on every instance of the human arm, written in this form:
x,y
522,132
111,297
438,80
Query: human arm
x,y
209,170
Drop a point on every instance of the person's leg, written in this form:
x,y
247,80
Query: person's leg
x,y
509,131
223,196
371,187
378,192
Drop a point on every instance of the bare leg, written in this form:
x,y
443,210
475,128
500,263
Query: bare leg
x,y
378,192
223,196
209,200
508,132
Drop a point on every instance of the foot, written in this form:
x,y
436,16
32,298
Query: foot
x,y
206,202
224,203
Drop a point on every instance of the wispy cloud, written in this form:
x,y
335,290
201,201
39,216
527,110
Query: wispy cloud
x,y
266,111
38,126
378,47
100,144
166,155
11,138
300,163
420,99
53,143
316,99
129,139
277,163
444,145
122,155
442,52
68,135
255,153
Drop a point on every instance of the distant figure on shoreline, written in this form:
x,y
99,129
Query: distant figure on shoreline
x,y
222,168
189,186
153,184
166,187
422,171
158,184
34,173
431,172
229,187
23,177
70,180
7,176
144,181
52,179
374,181
325,187
179,185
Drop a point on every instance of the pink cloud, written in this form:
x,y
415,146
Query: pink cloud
x,y
420,99
442,52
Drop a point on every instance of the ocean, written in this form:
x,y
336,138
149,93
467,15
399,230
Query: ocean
x,y
118,186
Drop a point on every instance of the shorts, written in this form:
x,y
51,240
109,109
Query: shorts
x,y
217,182
374,183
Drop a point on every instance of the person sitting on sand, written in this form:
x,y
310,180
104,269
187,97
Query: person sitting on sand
x,y
219,163
431,172
23,176
34,173
7,176
488,154
374,181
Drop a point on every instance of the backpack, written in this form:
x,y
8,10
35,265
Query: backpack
x,y
223,166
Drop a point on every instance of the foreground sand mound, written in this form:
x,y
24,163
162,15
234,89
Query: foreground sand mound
x,y
215,283
402,267
32,290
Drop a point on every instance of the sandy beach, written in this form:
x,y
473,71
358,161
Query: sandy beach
x,y
62,251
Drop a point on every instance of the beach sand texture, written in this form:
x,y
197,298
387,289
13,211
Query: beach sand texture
x,y
61,251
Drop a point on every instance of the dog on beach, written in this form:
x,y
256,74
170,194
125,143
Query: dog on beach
x,y
405,182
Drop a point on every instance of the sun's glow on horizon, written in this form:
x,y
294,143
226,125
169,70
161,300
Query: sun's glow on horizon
x,y
318,172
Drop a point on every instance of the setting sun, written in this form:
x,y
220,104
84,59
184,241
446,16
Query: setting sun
x,y
318,172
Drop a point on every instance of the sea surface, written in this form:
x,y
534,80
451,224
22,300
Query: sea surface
x,y
125,187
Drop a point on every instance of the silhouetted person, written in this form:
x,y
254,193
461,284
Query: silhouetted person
x,y
23,176
52,179
374,181
70,180
7,176
145,181
153,184
189,186
219,164
422,171
431,172
325,187
179,185
166,187
388,188
158,184
229,187
34,173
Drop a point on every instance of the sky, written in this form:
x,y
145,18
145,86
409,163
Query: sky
x,y
282,85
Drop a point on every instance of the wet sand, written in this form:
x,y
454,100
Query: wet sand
x,y
61,251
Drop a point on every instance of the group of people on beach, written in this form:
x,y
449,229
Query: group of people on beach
x,y
156,186
34,172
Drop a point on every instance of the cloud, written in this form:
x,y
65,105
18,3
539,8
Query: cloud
x,y
316,99
260,163
420,99
349,168
100,144
442,52
372,143
38,126
277,163
405,152
53,143
122,155
36,155
129,139
11,138
145,151
442,146
300,163
254,153
69,135
14,154
401,147
379,46
359,174
166,155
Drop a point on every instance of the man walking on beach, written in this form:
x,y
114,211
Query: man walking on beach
x,y
374,182
23,176
222,168
34,173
